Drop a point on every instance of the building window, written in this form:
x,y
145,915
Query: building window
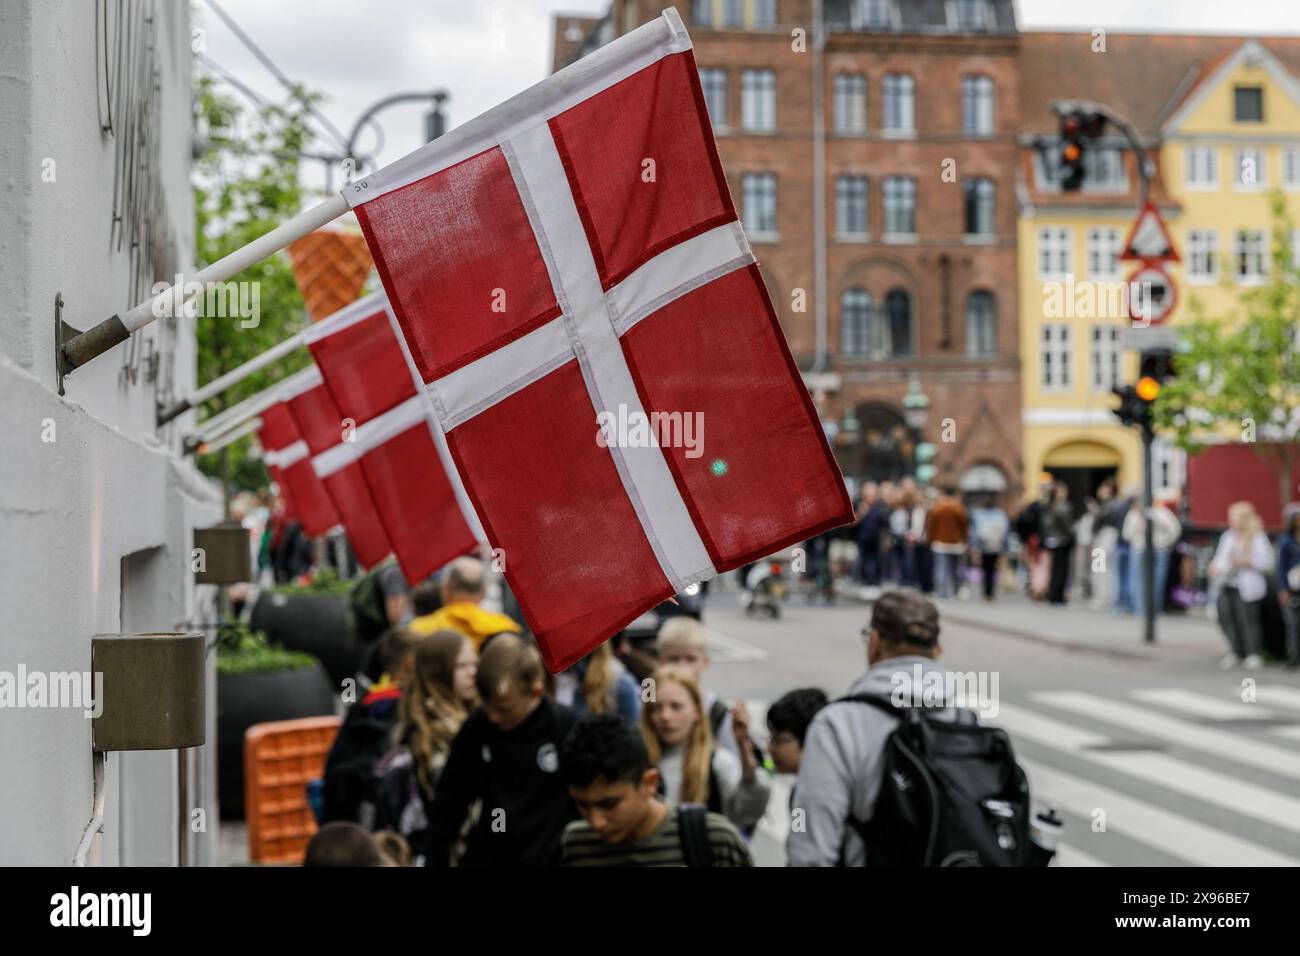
x,y
1054,259
897,331
1103,169
1103,252
758,203
979,198
970,15
1252,255
1104,357
758,100
733,13
1291,167
857,322
764,13
1202,167
702,13
900,103
714,84
900,206
1203,255
1250,173
981,324
977,105
851,206
1055,357
1248,104
1168,466
850,103
871,14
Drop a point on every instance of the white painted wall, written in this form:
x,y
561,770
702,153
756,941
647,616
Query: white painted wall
x,y
109,485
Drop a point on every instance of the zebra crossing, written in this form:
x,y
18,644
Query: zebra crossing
x,y
1155,775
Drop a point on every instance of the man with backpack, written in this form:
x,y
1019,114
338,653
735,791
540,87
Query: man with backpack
x,y
892,776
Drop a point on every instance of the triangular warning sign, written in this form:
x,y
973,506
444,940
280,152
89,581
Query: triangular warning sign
x,y
1149,240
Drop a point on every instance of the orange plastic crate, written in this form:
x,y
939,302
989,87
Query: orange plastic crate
x,y
280,757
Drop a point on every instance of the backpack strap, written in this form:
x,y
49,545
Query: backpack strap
x,y
717,714
693,832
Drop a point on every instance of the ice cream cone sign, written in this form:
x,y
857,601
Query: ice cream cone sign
x,y
330,266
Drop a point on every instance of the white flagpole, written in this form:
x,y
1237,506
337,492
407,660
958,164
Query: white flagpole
x,y
232,436
82,347
233,377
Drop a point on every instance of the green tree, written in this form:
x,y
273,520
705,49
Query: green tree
x,y
245,184
1239,374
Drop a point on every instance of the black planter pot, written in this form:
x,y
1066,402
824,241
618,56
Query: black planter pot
x,y
317,624
244,700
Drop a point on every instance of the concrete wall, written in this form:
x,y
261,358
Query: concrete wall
x,y
88,486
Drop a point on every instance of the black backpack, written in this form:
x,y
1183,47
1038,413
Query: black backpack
x,y
951,794
693,833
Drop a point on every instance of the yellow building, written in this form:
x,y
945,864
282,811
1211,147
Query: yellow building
x,y
1219,121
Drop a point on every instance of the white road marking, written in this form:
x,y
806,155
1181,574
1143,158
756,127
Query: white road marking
x,y
1238,747
1146,823
1207,786
1202,705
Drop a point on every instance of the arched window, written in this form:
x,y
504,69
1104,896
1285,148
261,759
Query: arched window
x,y
981,324
897,337
857,319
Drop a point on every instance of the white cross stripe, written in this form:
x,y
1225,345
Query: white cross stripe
x,y
345,317
334,459
289,455
435,429
544,187
396,420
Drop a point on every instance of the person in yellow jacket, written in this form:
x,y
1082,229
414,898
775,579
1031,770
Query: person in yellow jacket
x,y
463,589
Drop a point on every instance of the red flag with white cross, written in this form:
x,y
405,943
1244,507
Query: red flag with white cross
x,y
288,459
382,449
600,352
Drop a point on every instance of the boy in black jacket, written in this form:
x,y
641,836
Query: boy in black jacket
x,y
506,756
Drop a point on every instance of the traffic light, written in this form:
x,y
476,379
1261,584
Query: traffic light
x,y
1155,367
1132,409
1076,127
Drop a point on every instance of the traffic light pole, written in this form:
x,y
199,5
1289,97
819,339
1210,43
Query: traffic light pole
x,y
1149,551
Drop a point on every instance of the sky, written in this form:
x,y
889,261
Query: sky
x,y
483,51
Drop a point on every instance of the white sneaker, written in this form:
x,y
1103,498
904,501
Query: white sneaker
x,y
1252,662
1229,661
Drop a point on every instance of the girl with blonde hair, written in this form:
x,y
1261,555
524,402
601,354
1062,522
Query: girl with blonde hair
x,y
692,769
437,694
1240,564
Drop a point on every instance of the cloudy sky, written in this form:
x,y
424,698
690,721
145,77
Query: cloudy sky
x,y
483,51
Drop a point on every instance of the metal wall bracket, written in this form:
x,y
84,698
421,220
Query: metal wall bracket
x,y
62,333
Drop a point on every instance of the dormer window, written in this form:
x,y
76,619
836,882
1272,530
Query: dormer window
x,y
970,15
1248,104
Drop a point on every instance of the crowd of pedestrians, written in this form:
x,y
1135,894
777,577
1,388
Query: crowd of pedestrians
x,y
462,754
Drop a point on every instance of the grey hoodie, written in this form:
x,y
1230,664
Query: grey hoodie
x,y
843,758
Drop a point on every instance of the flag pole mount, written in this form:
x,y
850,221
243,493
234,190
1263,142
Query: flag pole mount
x,y
72,347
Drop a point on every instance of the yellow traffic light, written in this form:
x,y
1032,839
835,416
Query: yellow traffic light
x,y
1147,388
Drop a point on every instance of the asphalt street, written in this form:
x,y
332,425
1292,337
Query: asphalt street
x,y
1163,760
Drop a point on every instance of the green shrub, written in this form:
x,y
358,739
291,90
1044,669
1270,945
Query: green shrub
x,y
243,651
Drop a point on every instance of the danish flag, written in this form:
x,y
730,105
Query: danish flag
x,y
376,447
575,253
288,459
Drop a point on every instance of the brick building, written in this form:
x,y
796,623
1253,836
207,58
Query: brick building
x,y
914,286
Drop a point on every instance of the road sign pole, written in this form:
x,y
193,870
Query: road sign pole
x,y
1148,554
